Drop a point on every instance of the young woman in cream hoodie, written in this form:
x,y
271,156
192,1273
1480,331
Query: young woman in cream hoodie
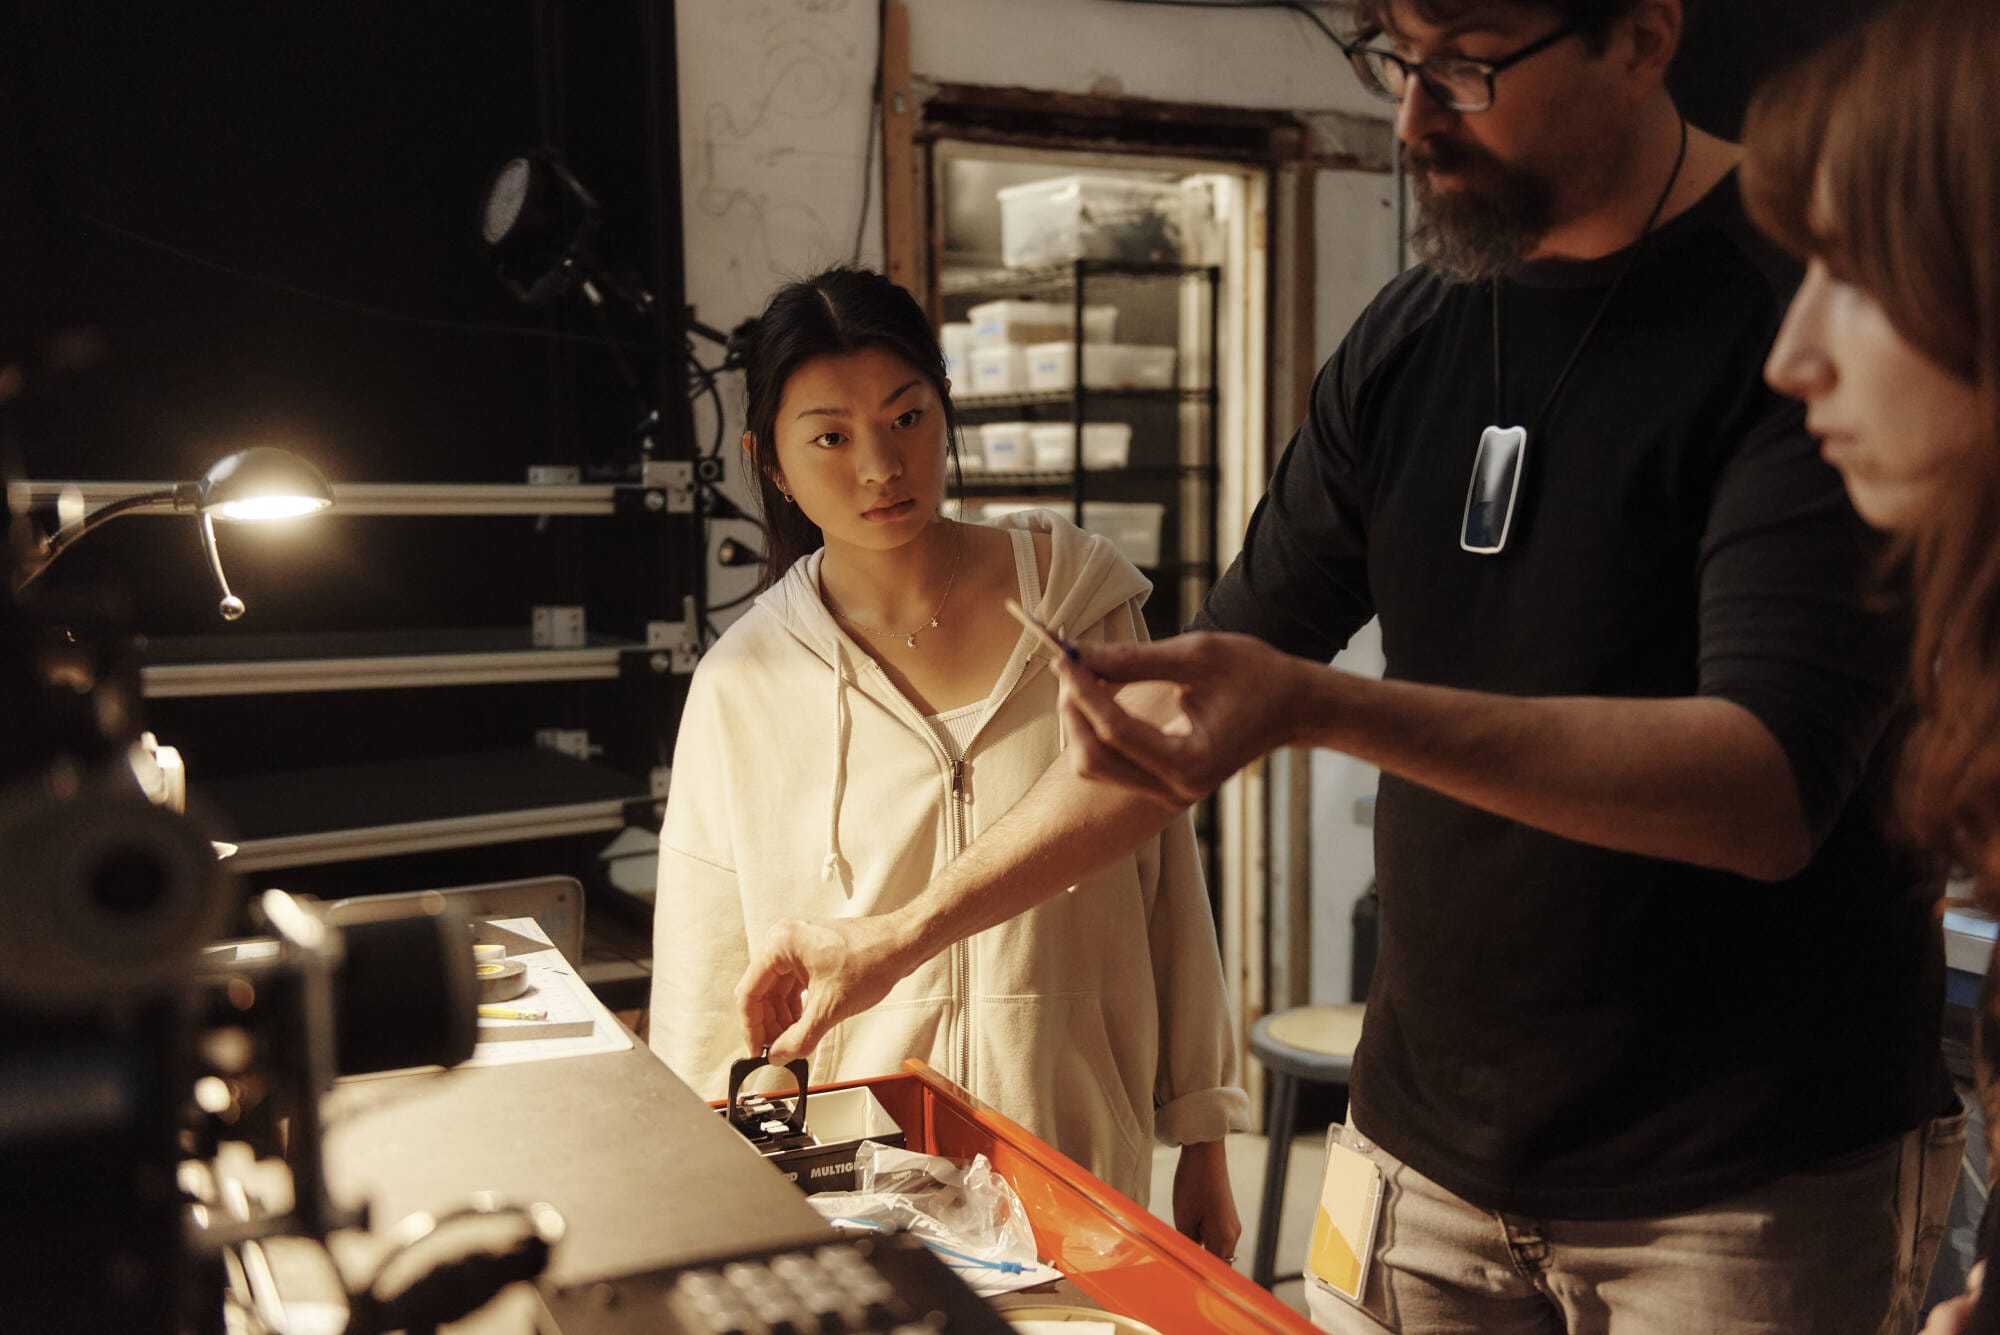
x,y
871,713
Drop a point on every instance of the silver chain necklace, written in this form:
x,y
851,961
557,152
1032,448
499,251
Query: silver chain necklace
x,y
908,637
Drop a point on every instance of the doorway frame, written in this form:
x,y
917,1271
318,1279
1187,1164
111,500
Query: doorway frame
x,y
1264,840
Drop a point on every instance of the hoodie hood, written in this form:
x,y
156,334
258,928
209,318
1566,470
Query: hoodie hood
x,y
1087,580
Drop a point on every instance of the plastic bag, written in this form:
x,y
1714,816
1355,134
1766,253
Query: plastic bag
x,y
962,1210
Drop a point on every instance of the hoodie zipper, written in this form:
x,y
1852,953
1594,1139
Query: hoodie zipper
x,y
959,798
961,949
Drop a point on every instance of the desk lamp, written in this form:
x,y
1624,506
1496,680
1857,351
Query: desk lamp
x,y
248,486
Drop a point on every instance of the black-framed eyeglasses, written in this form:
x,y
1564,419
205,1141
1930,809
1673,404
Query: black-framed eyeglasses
x,y
1453,81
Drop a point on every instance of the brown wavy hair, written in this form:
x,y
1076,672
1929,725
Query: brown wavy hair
x,y
1880,154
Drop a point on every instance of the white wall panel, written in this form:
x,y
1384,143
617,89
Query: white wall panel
x,y
1262,58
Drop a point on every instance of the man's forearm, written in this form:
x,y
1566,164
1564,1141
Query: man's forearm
x,y
1690,779
1062,829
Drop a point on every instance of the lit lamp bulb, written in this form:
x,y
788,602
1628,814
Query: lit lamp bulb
x,y
251,486
248,486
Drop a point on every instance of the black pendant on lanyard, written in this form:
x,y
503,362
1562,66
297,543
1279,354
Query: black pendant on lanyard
x,y
1500,460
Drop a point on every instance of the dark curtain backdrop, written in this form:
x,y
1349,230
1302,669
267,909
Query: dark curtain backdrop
x,y
1729,45
232,222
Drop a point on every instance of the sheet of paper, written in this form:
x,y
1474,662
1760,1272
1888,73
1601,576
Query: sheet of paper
x,y
987,1283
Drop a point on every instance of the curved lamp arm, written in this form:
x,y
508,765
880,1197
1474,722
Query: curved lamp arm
x,y
253,484
179,497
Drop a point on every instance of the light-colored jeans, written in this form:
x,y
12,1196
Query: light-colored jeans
x,y
1843,1248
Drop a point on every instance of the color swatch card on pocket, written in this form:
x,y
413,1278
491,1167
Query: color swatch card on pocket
x,y
1343,1236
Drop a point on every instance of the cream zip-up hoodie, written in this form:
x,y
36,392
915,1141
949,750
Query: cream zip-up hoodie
x,y
806,785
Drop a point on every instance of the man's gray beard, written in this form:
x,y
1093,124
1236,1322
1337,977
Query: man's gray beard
x,y
1471,235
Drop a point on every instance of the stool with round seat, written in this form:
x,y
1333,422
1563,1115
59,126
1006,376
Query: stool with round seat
x,y
1311,1044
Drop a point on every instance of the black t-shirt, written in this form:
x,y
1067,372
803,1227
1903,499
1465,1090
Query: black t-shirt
x,y
1558,1029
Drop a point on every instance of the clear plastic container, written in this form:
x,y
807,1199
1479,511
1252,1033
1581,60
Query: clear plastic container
x,y
1132,526
1091,217
1052,367
1105,444
957,340
1001,370
1007,447
996,322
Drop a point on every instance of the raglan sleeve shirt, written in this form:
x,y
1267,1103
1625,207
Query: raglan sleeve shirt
x,y
1300,582
700,941
1794,623
1797,625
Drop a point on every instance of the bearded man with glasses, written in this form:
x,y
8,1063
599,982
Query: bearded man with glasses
x,y
1653,1040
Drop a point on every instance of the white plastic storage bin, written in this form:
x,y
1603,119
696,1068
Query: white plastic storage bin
x,y
1105,444
1007,447
957,340
1001,370
1090,218
1052,366
992,512
1132,526
996,322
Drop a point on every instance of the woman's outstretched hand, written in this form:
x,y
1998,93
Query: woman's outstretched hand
x,y
809,975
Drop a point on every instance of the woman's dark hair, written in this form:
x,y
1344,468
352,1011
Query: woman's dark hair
x,y
1880,156
843,310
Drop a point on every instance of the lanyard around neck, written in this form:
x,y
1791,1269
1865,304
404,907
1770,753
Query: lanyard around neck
x,y
1499,372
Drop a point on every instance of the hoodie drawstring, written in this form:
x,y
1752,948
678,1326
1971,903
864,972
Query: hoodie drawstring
x,y
834,867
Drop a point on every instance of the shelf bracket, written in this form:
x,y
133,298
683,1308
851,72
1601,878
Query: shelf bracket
x,y
666,486
679,640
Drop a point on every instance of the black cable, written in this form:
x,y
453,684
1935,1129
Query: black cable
x,y
704,382
1298,7
874,120
355,307
715,448
699,381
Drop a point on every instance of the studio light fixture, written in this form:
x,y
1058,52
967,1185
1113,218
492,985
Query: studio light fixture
x,y
540,227
248,486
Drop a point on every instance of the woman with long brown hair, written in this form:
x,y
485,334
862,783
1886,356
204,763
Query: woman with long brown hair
x,y
1878,162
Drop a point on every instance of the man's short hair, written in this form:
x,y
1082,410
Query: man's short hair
x,y
1593,18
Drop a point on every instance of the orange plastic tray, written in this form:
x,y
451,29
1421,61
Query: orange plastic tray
x,y
1125,1258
